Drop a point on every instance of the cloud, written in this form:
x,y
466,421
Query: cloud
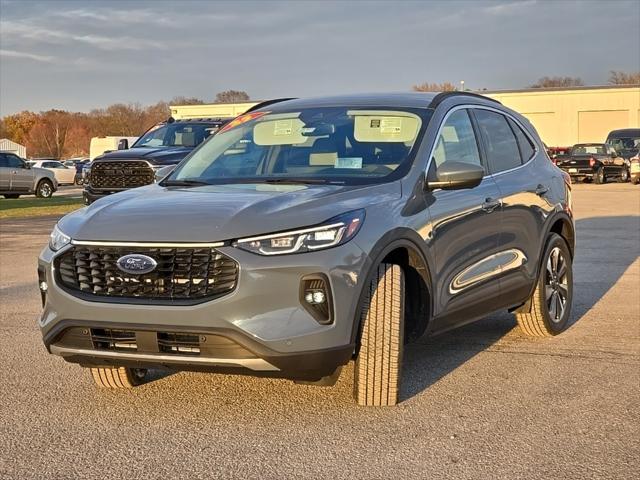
x,y
129,17
27,55
508,7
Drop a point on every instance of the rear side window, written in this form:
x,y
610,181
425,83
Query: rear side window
x,y
526,147
457,141
502,147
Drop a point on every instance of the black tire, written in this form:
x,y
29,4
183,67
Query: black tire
x,y
11,195
379,363
624,176
44,189
600,177
636,181
118,377
544,319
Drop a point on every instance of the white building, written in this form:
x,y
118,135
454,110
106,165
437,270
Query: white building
x,y
9,146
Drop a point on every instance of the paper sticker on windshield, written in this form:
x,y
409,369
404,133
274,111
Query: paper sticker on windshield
x,y
348,162
282,127
391,126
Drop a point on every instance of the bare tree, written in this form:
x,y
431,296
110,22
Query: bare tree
x,y
186,101
232,96
550,82
434,87
623,78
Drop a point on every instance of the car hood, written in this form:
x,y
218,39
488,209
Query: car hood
x,y
157,156
217,212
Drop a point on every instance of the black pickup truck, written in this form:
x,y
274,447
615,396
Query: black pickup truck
x,y
594,161
164,144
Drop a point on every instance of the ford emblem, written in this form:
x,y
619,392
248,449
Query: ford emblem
x,y
136,264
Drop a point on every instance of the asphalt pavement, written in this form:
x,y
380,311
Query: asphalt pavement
x,y
483,401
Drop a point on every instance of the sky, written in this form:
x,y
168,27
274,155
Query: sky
x,y
79,55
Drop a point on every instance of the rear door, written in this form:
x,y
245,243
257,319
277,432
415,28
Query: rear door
x,y
464,231
21,176
5,173
518,169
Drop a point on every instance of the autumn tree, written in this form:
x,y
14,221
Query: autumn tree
x,y
16,127
48,135
550,82
434,87
186,101
623,78
232,96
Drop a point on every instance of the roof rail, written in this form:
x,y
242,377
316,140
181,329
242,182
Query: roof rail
x,y
442,96
267,103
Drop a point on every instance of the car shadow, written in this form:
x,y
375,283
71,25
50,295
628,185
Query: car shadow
x,y
606,248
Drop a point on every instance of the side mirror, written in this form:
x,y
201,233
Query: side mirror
x,y
455,175
26,165
123,144
163,172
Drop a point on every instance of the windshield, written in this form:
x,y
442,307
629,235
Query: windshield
x,y
176,134
625,143
315,145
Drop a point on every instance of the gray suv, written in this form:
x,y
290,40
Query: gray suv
x,y
308,233
17,178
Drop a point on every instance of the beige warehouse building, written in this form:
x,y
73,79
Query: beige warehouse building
x,y
564,117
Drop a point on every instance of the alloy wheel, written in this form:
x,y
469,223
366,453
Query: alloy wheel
x,y
556,286
45,190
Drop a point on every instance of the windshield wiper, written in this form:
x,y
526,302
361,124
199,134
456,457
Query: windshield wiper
x,y
303,181
183,183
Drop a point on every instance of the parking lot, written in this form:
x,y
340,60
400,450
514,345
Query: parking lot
x,y
483,401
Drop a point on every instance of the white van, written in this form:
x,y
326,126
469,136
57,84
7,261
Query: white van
x,y
99,145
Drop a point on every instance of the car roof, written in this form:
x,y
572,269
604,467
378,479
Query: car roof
x,y
402,99
625,131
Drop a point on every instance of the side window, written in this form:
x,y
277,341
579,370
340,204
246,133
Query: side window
x,y
15,162
526,147
4,161
457,141
501,144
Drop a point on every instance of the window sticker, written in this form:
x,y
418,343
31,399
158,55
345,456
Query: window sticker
x,y
282,127
348,162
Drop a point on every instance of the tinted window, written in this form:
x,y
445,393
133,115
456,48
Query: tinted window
x,y
15,162
4,162
176,134
501,144
457,142
526,147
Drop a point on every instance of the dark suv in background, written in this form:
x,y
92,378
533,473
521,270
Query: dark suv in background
x,y
164,144
308,233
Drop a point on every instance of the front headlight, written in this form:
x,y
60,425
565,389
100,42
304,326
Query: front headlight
x,y
333,232
57,240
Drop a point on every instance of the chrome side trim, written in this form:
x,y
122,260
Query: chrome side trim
x,y
256,364
504,261
146,244
483,107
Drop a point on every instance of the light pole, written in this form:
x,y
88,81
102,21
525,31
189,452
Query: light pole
x,y
462,85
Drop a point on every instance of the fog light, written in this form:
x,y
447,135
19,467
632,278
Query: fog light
x,y
43,286
315,296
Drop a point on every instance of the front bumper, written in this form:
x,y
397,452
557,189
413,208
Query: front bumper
x,y
263,319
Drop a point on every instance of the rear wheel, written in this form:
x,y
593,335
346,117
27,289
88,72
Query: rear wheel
x,y
44,189
11,195
118,377
551,300
379,363
600,176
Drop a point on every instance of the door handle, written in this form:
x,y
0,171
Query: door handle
x,y
14,172
541,190
490,204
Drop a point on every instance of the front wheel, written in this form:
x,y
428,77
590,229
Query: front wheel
x,y
600,176
624,175
118,377
379,362
551,300
44,189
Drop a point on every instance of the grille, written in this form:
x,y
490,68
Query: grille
x,y
181,273
182,343
121,174
110,339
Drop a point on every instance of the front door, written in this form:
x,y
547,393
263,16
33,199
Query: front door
x,y
21,175
465,228
5,173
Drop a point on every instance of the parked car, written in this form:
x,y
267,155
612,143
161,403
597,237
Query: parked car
x,y
594,161
17,178
165,144
64,175
634,169
307,233
80,166
625,141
